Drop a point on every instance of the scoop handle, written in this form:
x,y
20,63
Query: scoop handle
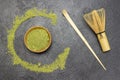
x,y
103,41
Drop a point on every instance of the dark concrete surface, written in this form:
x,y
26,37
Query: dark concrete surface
x,y
80,65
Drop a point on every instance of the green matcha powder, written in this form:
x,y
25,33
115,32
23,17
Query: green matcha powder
x,y
38,39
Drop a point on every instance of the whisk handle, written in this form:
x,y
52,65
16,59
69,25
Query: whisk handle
x,y
103,41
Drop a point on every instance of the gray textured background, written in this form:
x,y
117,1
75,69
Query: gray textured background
x,y
81,65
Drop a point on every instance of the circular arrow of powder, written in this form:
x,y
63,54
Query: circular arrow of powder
x,y
59,62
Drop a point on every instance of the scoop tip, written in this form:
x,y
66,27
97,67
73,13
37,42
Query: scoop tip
x,y
64,11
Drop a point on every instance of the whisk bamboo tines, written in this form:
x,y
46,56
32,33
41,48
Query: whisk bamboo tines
x,y
96,20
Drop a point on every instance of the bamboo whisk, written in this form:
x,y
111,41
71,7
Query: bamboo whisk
x,y
96,20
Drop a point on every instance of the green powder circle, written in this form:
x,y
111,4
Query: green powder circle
x,y
37,39
59,62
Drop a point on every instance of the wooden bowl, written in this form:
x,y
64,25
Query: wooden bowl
x,y
38,28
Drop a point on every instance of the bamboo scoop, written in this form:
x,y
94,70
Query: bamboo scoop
x,y
96,20
81,36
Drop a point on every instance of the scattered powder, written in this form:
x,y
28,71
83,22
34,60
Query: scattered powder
x,y
38,39
59,62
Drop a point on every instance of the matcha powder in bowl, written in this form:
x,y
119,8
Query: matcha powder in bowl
x,y
37,39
